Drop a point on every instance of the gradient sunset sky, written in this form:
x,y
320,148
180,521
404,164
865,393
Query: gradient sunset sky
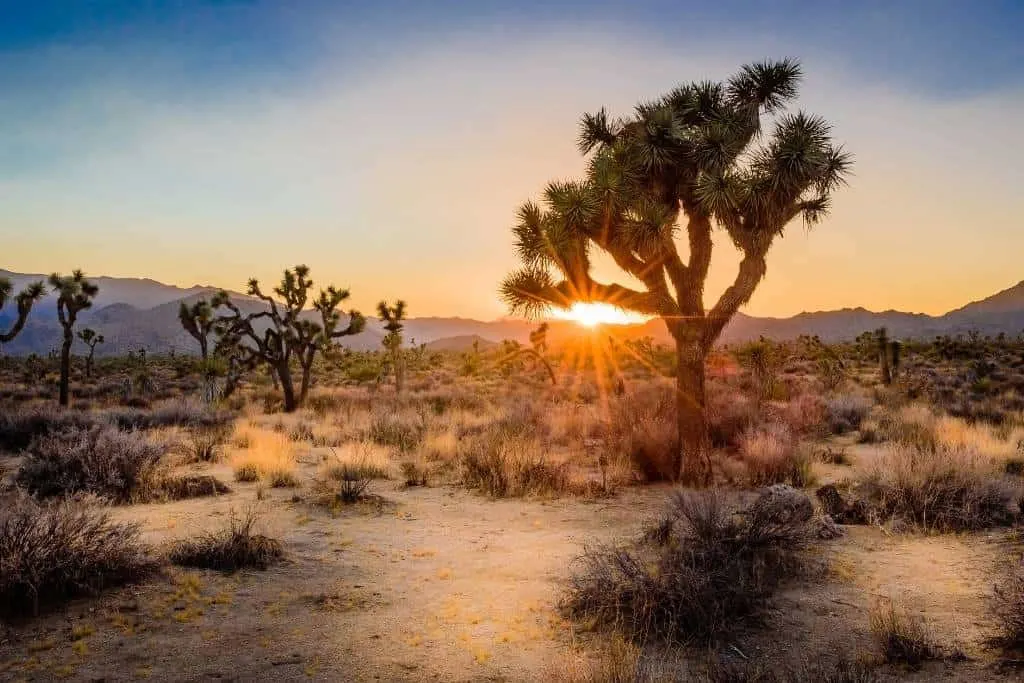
x,y
389,144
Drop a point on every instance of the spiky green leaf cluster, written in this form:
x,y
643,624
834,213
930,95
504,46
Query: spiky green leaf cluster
x,y
691,162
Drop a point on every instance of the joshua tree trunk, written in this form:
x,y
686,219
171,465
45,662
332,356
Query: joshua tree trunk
x,y
284,375
65,366
307,376
693,455
88,363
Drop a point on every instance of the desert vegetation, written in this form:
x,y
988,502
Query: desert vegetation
x,y
595,507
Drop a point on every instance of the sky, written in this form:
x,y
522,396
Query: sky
x,y
387,145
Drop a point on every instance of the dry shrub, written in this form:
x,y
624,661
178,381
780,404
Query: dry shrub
x,y
715,569
19,425
506,465
205,444
232,548
942,489
1008,608
174,413
101,460
731,413
371,460
643,426
56,551
246,472
903,638
186,486
772,456
805,413
846,412
724,670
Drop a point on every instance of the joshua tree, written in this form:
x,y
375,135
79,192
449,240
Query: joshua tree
x,y
511,350
24,299
286,334
74,294
90,339
394,317
882,345
689,162
539,338
198,320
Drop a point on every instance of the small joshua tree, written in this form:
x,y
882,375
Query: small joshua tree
x,y
286,331
882,344
24,300
538,344
74,295
693,163
199,319
394,321
90,339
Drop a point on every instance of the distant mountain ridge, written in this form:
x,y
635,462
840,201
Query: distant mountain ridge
x,y
135,313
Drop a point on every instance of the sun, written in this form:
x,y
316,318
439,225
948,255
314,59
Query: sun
x,y
593,314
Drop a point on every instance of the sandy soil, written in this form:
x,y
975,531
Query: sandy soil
x,y
442,584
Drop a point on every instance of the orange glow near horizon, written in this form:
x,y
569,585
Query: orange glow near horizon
x,y
592,314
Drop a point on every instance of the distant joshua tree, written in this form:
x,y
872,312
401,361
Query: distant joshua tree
x,y
394,322
90,339
691,161
74,295
199,319
24,300
281,334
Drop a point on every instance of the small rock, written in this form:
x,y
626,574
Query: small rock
x,y
828,529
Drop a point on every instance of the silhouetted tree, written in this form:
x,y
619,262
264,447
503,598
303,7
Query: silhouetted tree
x,y
74,294
198,320
90,339
24,300
394,321
289,335
691,161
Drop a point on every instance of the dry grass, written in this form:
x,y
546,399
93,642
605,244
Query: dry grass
x,y
270,455
902,637
772,456
507,465
941,489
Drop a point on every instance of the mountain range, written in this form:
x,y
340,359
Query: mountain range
x,y
133,313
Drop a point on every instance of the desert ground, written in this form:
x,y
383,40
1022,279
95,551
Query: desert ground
x,y
434,533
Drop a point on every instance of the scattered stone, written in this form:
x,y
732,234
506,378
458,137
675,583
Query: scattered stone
x,y
841,511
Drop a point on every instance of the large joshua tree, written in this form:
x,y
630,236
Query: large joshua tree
x,y
393,318
282,334
24,300
695,162
74,294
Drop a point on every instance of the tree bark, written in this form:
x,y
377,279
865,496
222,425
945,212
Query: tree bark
x,y
65,367
307,374
694,463
284,374
88,362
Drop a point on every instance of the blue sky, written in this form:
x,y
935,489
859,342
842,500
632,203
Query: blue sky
x,y
388,144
